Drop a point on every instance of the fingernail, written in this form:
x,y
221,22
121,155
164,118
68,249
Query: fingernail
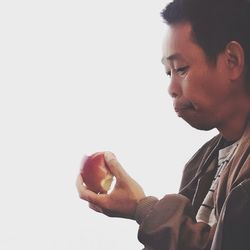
x,y
109,156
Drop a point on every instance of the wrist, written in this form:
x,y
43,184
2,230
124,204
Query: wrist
x,y
144,207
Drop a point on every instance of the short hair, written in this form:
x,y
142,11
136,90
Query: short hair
x,y
214,24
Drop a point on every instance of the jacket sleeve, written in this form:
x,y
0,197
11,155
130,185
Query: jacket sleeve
x,y
169,224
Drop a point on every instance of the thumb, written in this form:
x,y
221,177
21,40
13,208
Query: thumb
x,y
114,166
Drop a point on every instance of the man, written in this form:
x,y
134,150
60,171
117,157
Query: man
x,y
206,54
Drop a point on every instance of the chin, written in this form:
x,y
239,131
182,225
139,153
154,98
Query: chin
x,y
200,125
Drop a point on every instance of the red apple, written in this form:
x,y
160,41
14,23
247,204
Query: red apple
x,y
96,174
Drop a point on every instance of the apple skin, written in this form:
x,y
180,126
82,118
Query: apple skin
x,y
95,173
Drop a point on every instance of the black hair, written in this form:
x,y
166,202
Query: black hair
x,y
214,24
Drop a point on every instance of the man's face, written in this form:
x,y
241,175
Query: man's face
x,y
201,91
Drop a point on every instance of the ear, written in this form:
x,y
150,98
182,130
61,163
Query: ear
x,y
235,59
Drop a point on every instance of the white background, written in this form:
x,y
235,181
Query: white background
x,y
78,77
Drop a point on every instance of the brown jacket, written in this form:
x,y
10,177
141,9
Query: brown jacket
x,y
169,223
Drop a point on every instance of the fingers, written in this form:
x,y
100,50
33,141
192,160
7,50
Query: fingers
x,y
83,192
114,166
88,195
95,208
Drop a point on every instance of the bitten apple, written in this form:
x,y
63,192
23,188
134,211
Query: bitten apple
x,y
96,174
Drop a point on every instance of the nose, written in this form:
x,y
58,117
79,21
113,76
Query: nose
x,y
174,88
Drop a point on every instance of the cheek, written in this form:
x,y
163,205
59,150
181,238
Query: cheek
x,y
200,88
193,85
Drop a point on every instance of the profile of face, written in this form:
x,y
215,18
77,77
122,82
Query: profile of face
x,y
204,94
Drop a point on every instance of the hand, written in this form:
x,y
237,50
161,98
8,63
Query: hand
x,y
122,200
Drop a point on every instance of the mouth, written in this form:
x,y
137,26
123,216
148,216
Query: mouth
x,y
181,108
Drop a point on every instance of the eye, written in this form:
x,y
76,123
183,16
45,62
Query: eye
x,y
182,70
168,73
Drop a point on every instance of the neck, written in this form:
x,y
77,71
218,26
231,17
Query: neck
x,y
234,129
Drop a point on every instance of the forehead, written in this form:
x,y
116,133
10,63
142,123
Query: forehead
x,y
178,43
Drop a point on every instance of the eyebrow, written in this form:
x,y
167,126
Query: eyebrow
x,y
171,58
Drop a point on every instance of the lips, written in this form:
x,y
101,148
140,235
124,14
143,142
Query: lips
x,y
180,108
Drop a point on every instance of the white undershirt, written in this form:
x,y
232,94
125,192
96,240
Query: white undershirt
x,y
206,212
